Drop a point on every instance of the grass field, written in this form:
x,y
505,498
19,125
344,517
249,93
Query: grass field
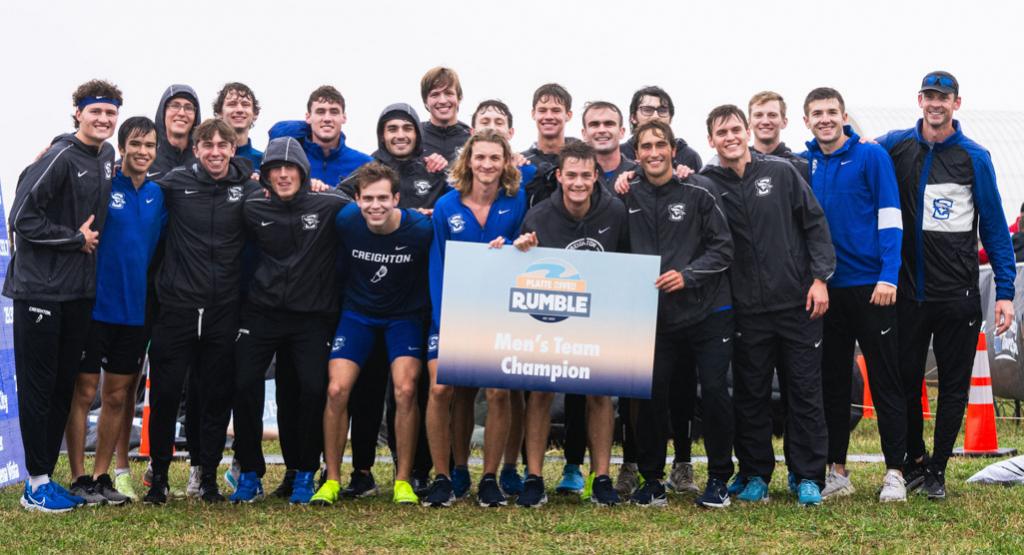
x,y
972,518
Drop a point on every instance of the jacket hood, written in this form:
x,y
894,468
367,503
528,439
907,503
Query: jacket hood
x,y
280,151
406,112
180,91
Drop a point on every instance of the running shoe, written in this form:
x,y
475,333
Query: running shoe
x,y
45,499
914,473
421,485
488,494
301,487
572,480
195,479
510,481
808,493
158,490
327,495
403,494
650,494
893,488
603,492
756,491
533,494
793,483
284,489
628,479
208,490
681,478
147,482
360,484
123,484
715,496
78,501
441,493
460,481
837,485
934,484
588,488
738,484
105,487
85,488
231,475
249,488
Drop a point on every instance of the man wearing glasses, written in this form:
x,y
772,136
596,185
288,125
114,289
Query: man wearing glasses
x,y
176,116
948,196
653,103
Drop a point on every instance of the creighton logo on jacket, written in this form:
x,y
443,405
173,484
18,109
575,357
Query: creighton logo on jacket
x,y
764,186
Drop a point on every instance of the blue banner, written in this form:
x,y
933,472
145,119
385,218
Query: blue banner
x,y
12,454
548,320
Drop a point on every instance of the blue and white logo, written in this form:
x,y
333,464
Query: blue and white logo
x,y
432,342
814,165
117,200
339,344
456,223
764,186
422,187
941,208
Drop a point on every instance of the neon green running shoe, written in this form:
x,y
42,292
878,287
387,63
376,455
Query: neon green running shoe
x,y
327,495
588,487
404,495
123,485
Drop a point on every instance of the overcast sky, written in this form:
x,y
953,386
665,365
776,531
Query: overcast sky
x,y
704,54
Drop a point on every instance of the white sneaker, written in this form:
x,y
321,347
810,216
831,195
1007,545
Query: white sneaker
x,y
893,488
195,475
837,485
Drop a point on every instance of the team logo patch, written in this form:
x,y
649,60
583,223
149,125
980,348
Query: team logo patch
x,y
814,165
235,193
676,212
117,200
381,272
339,344
585,244
456,223
941,208
432,342
764,186
107,170
310,221
422,187
550,290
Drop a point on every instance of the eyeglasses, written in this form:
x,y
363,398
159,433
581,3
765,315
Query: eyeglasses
x,y
650,110
179,107
939,80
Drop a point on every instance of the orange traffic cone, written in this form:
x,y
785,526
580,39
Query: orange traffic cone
x,y
869,404
980,438
926,411
144,441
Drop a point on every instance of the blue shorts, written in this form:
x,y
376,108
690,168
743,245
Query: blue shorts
x,y
432,341
357,333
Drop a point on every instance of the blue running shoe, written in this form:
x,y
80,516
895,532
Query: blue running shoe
x,y
572,480
510,481
809,493
46,499
302,488
791,481
716,495
460,481
756,491
78,501
488,494
738,484
249,488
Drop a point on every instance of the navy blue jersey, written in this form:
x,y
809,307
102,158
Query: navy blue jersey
x,y
135,220
387,274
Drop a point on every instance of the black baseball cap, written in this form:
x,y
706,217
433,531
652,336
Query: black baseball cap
x,y
941,81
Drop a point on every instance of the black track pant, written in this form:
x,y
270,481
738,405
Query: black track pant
x,y
289,429
704,348
306,337
200,343
952,328
790,340
684,396
851,318
49,341
575,444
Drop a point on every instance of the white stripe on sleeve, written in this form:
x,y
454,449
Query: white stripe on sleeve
x,y
890,218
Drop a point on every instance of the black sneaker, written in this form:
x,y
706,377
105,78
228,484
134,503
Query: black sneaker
x,y
158,490
105,486
421,485
360,485
284,490
440,494
488,494
914,473
533,494
208,490
603,492
715,496
85,488
651,494
934,484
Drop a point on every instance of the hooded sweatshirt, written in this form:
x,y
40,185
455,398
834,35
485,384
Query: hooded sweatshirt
x,y
330,168
296,238
603,228
54,197
418,187
168,156
447,141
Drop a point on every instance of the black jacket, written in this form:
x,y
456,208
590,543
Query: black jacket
x,y
603,228
297,239
608,177
682,223
418,187
204,235
168,156
782,242
446,140
543,182
787,154
54,197
684,154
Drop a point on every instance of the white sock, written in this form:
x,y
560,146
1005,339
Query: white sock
x,y
36,481
120,471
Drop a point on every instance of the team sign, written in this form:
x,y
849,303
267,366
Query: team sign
x,y
569,321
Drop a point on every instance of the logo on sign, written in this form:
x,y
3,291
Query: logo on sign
x,y
941,207
550,290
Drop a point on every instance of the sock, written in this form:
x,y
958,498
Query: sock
x,y
120,471
35,481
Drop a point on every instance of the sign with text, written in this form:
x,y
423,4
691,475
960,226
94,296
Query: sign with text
x,y
12,455
568,321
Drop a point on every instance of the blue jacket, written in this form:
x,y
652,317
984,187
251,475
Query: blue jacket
x,y
135,221
856,186
454,221
948,196
330,169
250,154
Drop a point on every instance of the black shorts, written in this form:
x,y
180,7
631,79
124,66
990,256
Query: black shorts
x,y
116,348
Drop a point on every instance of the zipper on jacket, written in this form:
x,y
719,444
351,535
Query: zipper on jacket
x,y
199,325
750,225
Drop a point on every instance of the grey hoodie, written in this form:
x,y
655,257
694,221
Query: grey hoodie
x,y
167,156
